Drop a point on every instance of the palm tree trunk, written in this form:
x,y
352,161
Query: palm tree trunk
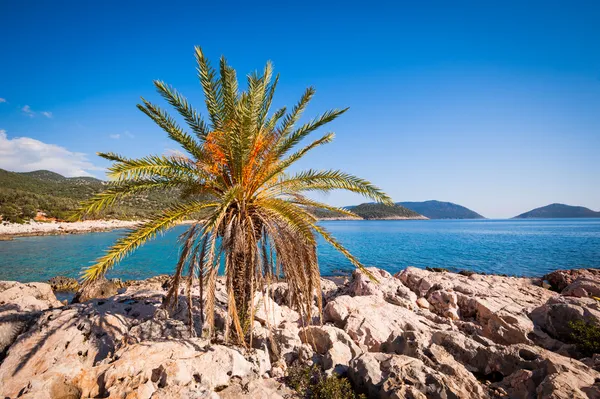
x,y
242,287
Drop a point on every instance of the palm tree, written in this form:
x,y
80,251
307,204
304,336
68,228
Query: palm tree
x,y
249,213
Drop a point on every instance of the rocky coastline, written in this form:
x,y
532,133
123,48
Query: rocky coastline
x,y
8,231
416,334
33,228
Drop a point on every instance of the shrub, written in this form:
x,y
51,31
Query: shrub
x,y
586,336
29,212
10,213
312,383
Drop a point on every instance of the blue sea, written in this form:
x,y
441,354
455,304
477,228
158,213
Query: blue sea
x,y
514,247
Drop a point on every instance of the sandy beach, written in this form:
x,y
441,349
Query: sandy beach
x,y
9,230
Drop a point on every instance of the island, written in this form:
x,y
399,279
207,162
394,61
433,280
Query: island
x,y
441,210
559,211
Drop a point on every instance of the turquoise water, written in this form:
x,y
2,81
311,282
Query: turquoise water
x,y
515,247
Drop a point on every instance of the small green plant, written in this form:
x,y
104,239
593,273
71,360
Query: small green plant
x,y
313,383
586,336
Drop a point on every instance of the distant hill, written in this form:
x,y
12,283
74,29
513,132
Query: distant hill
x,y
441,210
22,195
325,214
559,211
380,211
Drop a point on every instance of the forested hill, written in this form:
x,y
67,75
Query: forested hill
x,y
559,211
380,211
441,210
45,182
23,194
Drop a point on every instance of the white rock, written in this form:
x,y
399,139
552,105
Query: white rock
x,y
423,304
334,344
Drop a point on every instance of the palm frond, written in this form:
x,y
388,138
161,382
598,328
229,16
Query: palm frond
x,y
301,200
211,86
328,180
169,125
183,107
153,166
140,235
295,137
292,118
278,168
118,191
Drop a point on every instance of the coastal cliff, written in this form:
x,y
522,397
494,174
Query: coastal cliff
x,y
417,334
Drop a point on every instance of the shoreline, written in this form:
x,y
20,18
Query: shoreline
x,y
400,218
10,230
337,279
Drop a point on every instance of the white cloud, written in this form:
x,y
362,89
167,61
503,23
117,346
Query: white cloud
x,y
117,136
2,100
31,113
24,154
27,111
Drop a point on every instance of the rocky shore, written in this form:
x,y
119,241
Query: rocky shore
x,y
9,230
417,334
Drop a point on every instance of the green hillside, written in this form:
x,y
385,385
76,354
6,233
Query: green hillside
x,y
380,211
441,210
559,211
23,194
326,214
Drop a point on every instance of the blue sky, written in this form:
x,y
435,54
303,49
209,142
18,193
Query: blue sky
x,y
495,107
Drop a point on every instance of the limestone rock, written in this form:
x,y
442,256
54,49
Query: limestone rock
x,y
336,347
584,287
444,303
288,343
498,305
423,303
398,376
418,334
101,288
560,279
269,313
174,363
269,388
28,296
554,316
63,284
280,293
65,342
20,305
155,283
176,392
371,321
549,375
385,286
